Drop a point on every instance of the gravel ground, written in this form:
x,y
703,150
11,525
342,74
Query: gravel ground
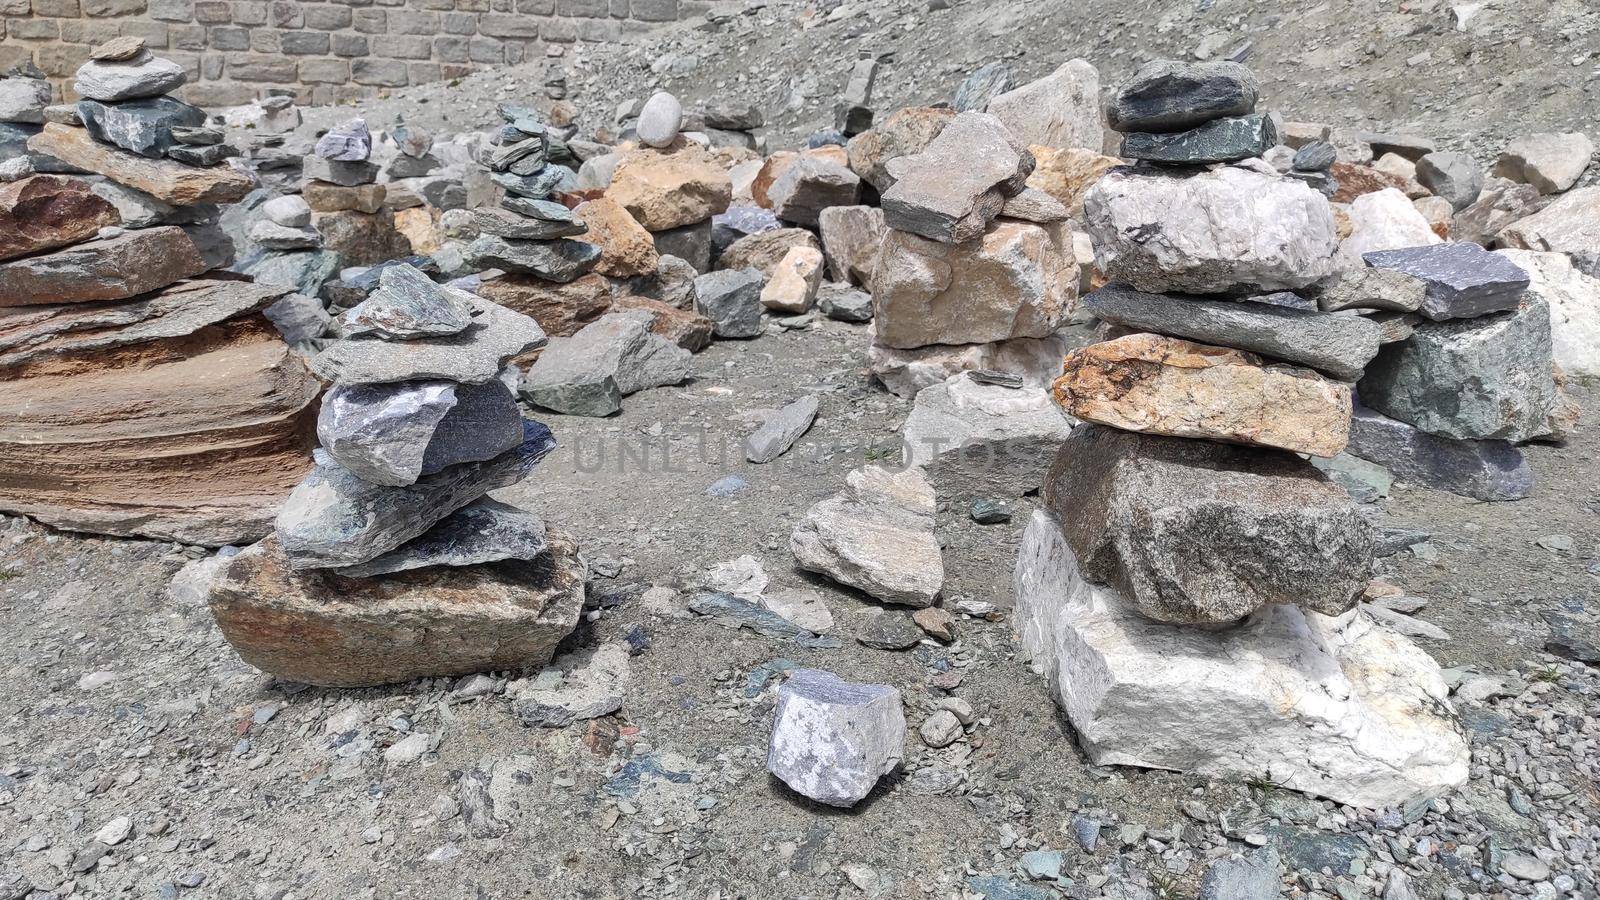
x,y
139,757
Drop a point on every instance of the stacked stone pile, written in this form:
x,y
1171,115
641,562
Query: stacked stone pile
x,y
389,561
1190,589
142,397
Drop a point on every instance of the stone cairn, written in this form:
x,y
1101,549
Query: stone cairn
x,y
1190,588
389,562
141,398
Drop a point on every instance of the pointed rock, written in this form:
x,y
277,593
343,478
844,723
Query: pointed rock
x,y
393,434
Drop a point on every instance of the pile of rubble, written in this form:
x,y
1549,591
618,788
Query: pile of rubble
x,y
144,396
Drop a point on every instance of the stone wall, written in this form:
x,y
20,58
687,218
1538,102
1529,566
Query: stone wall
x,y
325,52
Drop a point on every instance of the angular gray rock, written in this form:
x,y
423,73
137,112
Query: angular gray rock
x,y
1471,379
144,75
809,186
1482,470
483,531
951,190
408,304
833,739
1368,288
1220,140
550,179
1464,280
983,440
143,127
877,536
393,434
23,100
299,318
335,519
349,141
1167,95
1060,110
474,356
779,432
1454,176
290,211
1234,227
844,303
1340,346
1195,532
731,299
559,260
1258,876
589,373
521,220
343,173
272,236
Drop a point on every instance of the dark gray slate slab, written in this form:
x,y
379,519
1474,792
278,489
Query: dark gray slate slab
x,y
1464,280
334,519
474,356
393,434
143,127
1168,95
844,303
537,187
484,531
733,612
202,157
559,260
1339,345
539,220
983,85
342,173
304,270
1482,470
1220,140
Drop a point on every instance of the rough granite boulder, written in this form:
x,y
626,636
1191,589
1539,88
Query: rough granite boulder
x,y
833,739
1570,225
850,239
906,372
1550,162
983,440
1574,300
810,186
952,189
877,536
1383,220
907,132
1196,532
1067,173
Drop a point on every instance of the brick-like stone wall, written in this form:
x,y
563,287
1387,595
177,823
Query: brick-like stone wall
x,y
323,50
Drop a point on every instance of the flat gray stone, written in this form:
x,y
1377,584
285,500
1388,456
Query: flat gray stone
x,y
334,519
1471,379
394,434
1167,95
833,739
844,303
1196,532
290,211
272,236
303,270
345,173
474,356
1220,140
730,611
201,157
876,536
779,432
299,318
951,190
1464,280
537,187
559,260
977,439
408,304
731,299
1482,470
483,531
144,75
349,141
523,154
143,127
1340,346
1257,876
1368,288
521,219
589,373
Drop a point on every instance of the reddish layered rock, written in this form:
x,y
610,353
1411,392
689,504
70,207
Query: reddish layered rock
x,y
113,269
49,211
168,181
560,309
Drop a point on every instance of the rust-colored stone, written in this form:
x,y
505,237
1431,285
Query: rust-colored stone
x,y
687,329
560,309
626,248
168,181
49,211
1355,180
666,189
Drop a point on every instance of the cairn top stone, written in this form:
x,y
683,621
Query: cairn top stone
x,y
951,190
408,304
141,75
349,141
660,119
1166,95
118,49
1464,280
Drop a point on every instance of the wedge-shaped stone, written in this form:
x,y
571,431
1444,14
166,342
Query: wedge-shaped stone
x,y
1570,225
44,212
1464,280
589,373
850,238
1340,346
626,248
779,432
1017,280
1230,228
1196,532
1169,95
1482,470
559,261
833,739
876,537
408,304
1340,708
810,186
1471,379
555,221
1160,385
906,372
167,181
334,519
952,189
130,264
474,356
560,309
983,440
484,531
320,628
394,434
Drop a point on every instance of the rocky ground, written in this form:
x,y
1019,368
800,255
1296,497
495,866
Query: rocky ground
x,y
140,757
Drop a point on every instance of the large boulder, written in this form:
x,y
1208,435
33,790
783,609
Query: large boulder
x,y
983,440
833,739
665,189
1196,532
1061,109
810,186
850,239
321,628
1017,279
1550,162
876,537
1234,227
1340,707
626,248
44,212
395,433
1570,225
1166,386
952,189
1574,300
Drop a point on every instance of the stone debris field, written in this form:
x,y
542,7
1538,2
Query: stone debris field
x,y
1080,486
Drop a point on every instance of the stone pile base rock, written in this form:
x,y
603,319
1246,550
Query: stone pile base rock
x,y
320,628
1341,708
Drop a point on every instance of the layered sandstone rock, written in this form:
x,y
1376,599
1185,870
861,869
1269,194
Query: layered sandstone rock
x,y
672,188
49,211
167,181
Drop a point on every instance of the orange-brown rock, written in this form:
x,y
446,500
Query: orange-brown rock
x,y
665,189
765,249
168,181
772,168
1067,173
362,239
1160,385
324,197
683,327
320,628
626,248
49,211
1355,180
197,438
560,309
907,132
130,264
420,226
